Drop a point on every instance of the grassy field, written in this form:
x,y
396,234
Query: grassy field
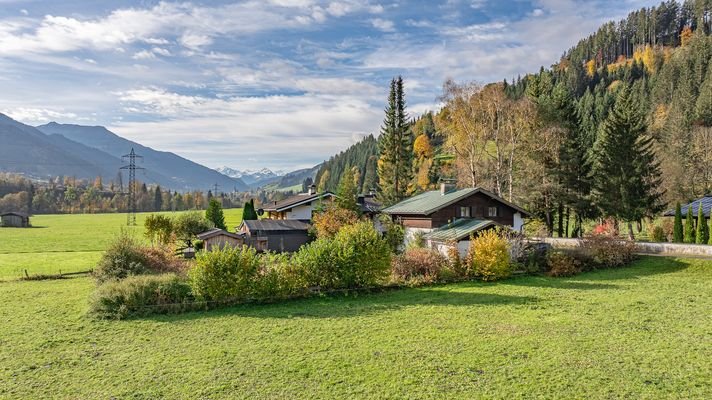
x,y
67,243
638,332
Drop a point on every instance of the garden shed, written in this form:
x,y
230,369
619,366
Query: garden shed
x,y
15,219
280,235
218,239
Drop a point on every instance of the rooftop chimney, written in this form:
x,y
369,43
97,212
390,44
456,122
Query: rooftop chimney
x,y
446,185
312,190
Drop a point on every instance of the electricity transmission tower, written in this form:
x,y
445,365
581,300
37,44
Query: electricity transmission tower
x,y
215,186
131,157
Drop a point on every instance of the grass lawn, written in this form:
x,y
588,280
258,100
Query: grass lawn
x,y
638,332
67,242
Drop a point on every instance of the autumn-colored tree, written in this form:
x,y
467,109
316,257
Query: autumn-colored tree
x,y
685,36
590,68
422,147
328,222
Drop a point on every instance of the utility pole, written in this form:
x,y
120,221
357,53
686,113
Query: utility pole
x,y
131,157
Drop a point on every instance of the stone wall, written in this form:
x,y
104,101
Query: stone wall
x,y
668,249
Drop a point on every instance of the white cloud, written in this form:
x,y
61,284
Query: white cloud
x,y
143,55
383,24
38,115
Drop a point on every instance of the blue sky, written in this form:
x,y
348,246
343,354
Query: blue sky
x,y
272,83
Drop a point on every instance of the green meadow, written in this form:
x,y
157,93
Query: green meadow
x,y
68,243
642,332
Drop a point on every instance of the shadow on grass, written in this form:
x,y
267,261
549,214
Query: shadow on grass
x,y
642,267
348,306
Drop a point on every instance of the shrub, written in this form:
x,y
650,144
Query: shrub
x,y
453,255
606,228
417,241
328,222
535,257
318,261
364,256
561,264
163,259
418,263
689,226
226,274
357,256
142,295
278,277
123,258
158,228
394,234
658,234
678,235
605,252
488,257
191,223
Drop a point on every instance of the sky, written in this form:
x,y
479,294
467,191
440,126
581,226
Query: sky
x,y
282,84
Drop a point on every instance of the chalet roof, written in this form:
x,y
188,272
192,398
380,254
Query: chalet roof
x,y
368,204
432,201
706,207
275,225
458,230
295,200
17,213
217,232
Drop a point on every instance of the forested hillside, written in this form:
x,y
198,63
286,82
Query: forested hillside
x,y
362,155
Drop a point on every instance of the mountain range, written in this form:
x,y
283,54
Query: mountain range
x,y
252,177
89,151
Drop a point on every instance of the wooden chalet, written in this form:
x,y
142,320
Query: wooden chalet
x,y
298,207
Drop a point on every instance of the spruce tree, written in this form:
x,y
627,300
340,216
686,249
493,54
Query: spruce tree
x,y
625,171
249,213
702,235
214,214
689,226
157,199
677,232
395,142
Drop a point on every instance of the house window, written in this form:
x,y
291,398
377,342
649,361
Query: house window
x,y
465,212
492,212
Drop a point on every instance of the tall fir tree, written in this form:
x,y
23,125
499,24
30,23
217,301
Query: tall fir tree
x,y
370,177
689,226
396,147
702,236
625,171
214,214
677,230
157,199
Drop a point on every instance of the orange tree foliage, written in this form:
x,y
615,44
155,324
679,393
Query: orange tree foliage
x,y
422,147
685,36
328,222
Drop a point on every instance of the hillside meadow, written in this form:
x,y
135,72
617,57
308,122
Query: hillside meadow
x,y
68,242
638,332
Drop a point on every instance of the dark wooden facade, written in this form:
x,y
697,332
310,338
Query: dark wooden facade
x,y
478,205
15,220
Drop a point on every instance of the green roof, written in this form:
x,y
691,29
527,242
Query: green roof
x,y
458,230
428,202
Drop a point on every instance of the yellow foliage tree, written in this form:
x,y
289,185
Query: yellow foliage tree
x,y
590,68
423,177
488,256
685,36
422,147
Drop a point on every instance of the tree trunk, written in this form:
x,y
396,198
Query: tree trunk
x,y
560,227
631,235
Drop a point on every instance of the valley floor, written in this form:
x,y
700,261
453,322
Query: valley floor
x,y
638,332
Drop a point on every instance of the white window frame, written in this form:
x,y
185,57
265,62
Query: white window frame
x,y
490,212
467,212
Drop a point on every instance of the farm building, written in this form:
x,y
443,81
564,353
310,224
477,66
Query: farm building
x,y
15,219
274,234
298,207
218,238
706,202
447,215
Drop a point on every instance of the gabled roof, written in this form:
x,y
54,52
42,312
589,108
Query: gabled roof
x,y
275,225
458,230
295,200
432,201
368,204
706,207
217,232
18,213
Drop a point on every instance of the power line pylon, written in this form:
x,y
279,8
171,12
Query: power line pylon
x,y
131,157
